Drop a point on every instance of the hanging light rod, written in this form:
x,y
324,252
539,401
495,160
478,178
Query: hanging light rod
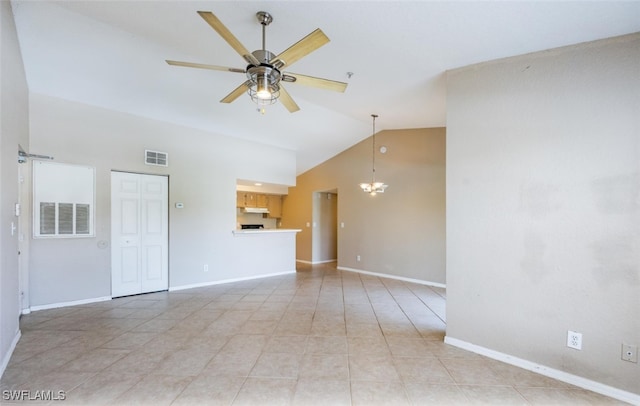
x,y
373,187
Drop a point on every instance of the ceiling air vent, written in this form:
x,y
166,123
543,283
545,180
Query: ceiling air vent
x,y
156,158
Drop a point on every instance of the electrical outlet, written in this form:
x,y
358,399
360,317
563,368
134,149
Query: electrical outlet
x,y
630,353
206,268
574,340
358,258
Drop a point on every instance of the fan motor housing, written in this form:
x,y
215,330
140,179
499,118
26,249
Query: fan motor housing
x,y
263,56
265,69
271,73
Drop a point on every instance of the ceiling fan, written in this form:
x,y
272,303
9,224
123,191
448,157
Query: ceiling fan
x,y
264,69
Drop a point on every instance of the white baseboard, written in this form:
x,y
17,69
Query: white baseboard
x,y
579,381
316,262
65,304
400,278
204,284
6,357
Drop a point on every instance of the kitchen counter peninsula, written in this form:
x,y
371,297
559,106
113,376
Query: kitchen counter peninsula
x,y
266,231
265,252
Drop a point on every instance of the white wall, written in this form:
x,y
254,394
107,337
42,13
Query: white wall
x,y
203,169
14,130
543,207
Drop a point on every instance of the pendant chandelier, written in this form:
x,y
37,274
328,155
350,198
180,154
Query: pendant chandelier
x,y
373,187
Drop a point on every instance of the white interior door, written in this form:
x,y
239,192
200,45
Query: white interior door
x,y
139,233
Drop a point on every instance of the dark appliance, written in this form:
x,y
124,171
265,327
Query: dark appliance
x,y
251,226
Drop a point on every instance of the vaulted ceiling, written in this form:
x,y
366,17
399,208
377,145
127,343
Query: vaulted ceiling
x,y
112,54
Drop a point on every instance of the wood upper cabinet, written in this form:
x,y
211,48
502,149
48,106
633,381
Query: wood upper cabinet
x,y
246,199
240,199
261,200
275,206
250,199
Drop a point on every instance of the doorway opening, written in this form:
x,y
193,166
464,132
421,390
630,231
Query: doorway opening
x,y
324,238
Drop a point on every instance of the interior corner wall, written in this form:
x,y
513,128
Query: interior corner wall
x,y
14,130
203,170
399,233
543,207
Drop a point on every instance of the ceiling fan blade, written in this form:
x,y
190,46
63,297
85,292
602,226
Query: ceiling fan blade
x,y
237,92
224,32
300,49
287,101
315,82
204,66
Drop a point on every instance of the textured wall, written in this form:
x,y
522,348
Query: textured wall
x,y
543,207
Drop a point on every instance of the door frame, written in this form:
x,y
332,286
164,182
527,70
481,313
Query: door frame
x,y
320,236
23,219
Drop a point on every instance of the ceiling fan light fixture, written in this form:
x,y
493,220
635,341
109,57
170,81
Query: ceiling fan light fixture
x,y
263,84
264,97
263,91
263,94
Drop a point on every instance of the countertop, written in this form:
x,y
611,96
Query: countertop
x,y
267,231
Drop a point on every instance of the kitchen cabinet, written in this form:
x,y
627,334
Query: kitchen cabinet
x,y
246,199
251,199
274,204
261,200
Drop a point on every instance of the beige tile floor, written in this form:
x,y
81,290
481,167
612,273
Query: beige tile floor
x,y
317,337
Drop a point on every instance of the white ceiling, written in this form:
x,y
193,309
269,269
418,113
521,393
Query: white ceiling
x,y
112,54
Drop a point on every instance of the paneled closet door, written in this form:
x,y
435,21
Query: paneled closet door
x,y
139,233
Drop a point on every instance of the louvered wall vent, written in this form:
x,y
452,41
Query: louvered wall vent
x,y
156,158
